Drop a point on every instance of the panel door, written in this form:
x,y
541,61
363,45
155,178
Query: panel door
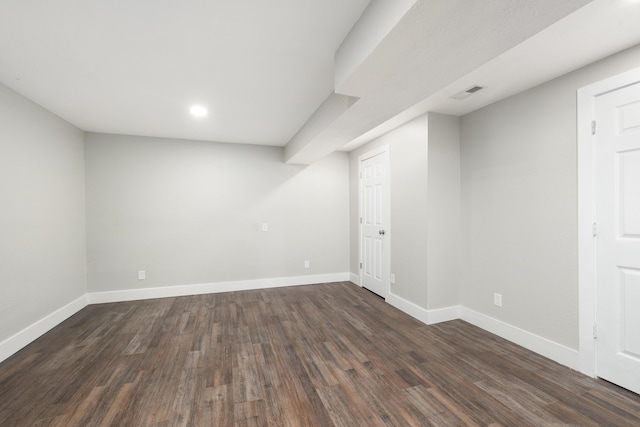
x,y
618,237
375,224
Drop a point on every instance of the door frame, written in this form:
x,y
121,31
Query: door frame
x,y
586,100
384,149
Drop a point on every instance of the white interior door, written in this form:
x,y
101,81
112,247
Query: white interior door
x,y
618,237
374,220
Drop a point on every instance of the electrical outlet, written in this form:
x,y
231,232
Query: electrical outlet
x,y
393,278
142,275
306,263
265,226
497,300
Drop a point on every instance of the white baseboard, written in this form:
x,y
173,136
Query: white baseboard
x,y
21,339
31,333
446,314
550,349
554,351
543,346
428,317
355,279
210,288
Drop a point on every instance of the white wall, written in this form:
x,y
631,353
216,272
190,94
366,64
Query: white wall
x,y
190,212
519,204
42,217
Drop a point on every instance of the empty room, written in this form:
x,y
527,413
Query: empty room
x,y
319,213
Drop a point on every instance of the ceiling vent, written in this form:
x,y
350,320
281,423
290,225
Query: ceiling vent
x,y
466,93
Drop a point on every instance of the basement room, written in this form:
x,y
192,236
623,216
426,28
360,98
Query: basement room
x,y
319,213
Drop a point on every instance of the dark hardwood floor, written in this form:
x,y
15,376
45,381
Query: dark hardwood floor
x,y
317,355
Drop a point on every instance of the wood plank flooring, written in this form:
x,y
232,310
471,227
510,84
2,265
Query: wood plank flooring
x,y
317,355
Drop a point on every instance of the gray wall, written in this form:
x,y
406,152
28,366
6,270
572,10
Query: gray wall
x,y
443,216
408,179
519,204
42,218
424,157
189,212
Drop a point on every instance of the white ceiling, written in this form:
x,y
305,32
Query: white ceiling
x,y
264,67
135,66
593,32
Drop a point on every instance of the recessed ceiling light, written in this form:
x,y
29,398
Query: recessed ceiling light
x,y
198,111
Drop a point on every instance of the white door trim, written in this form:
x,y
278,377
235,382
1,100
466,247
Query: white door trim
x,y
586,213
361,158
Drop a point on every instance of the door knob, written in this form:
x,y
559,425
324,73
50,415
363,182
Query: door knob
x,y
381,232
